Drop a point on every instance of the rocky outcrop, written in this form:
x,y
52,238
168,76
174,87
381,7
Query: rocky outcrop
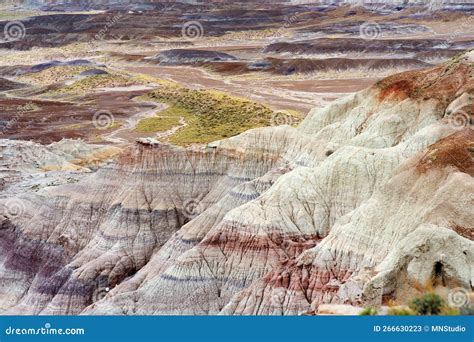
x,y
6,84
405,235
107,227
25,165
280,66
188,56
364,201
354,45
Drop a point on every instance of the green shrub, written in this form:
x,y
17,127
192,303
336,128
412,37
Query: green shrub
x,y
428,304
165,120
400,311
447,311
158,124
368,312
213,115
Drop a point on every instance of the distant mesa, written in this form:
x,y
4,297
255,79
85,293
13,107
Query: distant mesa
x,y
259,65
9,85
302,65
340,45
353,28
47,65
290,66
189,56
78,62
93,72
44,66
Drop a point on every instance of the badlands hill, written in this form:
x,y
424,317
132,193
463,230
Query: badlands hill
x,y
365,202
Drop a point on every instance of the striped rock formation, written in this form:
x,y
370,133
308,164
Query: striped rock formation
x,y
361,203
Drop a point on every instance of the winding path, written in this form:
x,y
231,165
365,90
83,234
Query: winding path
x,y
172,130
132,122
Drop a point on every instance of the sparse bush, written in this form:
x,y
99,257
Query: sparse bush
x,y
368,312
164,121
89,83
400,311
428,304
212,115
447,311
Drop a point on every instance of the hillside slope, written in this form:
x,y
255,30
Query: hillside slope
x,y
367,198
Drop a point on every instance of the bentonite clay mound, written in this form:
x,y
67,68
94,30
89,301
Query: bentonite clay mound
x,y
365,200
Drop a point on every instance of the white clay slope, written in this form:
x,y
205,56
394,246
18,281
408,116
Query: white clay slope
x,y
360,202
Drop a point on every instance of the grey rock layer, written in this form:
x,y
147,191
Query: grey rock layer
x,y
362,202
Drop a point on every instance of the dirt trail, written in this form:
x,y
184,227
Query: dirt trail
x,y
172,130
132,122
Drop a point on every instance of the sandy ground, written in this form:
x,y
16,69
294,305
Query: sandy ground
x,y
296,92
300,95
130,124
